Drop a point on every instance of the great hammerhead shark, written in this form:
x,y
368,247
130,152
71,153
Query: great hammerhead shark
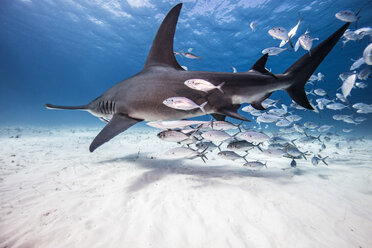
x,y
140,97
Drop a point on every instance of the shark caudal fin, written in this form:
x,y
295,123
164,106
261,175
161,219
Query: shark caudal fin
x,y
51,106
303,68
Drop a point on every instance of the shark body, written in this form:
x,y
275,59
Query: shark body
x,y
140,97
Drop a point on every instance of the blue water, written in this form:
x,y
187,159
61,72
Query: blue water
x,y
70,52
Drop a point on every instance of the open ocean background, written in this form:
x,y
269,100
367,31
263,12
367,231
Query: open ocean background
x,y
68,52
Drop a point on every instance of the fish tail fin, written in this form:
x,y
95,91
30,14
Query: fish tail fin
x,y
51,106
299,72
323,160
244,157
258,147
202,107
219,87
290,42
199,58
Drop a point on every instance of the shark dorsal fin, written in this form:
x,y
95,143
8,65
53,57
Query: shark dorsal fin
x,y
161,52
260,64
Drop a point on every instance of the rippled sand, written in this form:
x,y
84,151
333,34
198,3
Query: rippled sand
x,y
54,193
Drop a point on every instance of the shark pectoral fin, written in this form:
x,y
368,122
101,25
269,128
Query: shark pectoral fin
x,y
233,114
118,123
219,117
258,105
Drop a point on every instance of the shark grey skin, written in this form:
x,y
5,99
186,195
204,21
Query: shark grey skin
x,y
140,97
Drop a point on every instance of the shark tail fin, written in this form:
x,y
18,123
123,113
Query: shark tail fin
x,y
304,67
51,106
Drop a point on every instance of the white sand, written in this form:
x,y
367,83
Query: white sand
x,y
54,193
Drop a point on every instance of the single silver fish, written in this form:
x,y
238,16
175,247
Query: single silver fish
x,y
219,125
310,125
293,151
278,112
273,50
172,136
293,118
267,118
320,76
293,163
207,146
348,85
357,63
367,54
252,136
361,105
347,16
320,92
203,85
340,117
216,136
279,140
336,106
306,42
349,120
230,155
272,152
316,159
347,130
174,124
280,33
298,128
181,152
191,56
361,85
267,103
283,123
242,146
324,128
253,25
361,32
255,164
341,97
364,74
360,119
183,103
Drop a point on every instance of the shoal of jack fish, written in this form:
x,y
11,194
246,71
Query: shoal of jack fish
x,y
236,142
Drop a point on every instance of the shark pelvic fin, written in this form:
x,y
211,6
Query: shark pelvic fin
x,y
219,117
118,123
161,52
233,114
258,105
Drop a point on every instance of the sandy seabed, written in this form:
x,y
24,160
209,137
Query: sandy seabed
x,y
55,193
